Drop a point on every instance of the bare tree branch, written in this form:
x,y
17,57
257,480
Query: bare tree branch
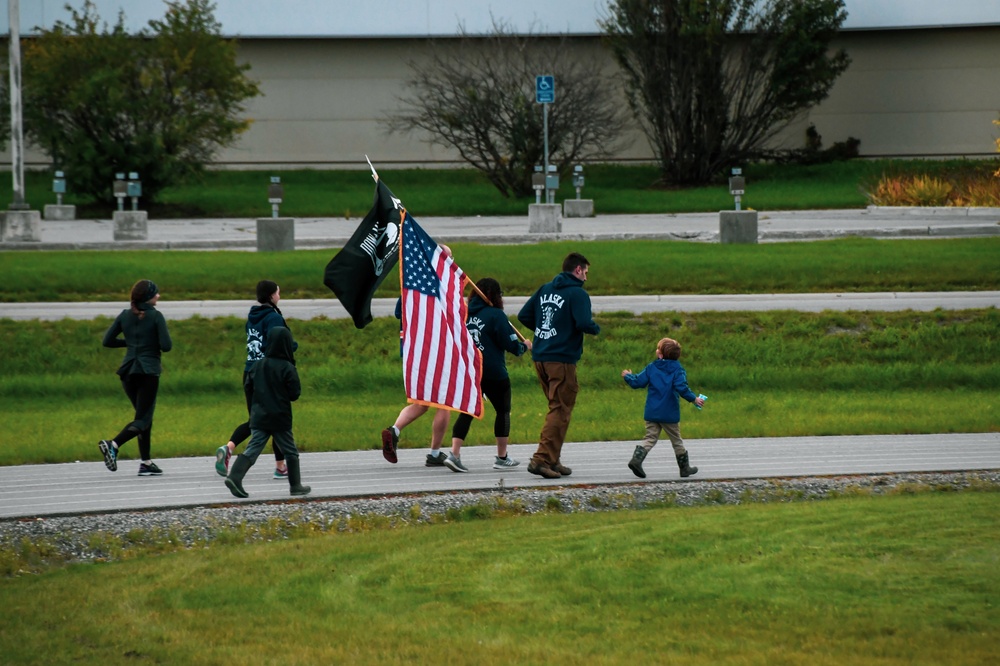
x,y
476,96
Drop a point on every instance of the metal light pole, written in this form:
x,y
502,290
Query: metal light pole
x,y
16,127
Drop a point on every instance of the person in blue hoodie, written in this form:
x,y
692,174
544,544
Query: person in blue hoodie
x,y
665,379
559,314
495,337
261,319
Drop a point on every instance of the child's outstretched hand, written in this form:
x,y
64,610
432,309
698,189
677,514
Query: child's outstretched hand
x,y
700,401
626,372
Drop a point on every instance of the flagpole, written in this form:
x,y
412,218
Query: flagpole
x,y
483,296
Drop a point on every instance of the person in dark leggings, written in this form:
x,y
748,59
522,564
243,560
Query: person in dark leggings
x,y
145,337
494,335
262,318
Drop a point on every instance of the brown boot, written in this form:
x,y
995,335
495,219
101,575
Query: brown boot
x,y
562,469
543,470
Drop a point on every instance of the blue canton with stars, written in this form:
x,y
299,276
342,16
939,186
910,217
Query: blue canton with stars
x,y
418,248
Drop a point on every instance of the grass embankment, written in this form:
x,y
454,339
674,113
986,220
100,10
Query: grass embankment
x,y
617,267
906,579
768,374
426,192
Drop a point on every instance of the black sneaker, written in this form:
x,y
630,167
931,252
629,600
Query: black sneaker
x,y
110,454
389,442
149,469
436,460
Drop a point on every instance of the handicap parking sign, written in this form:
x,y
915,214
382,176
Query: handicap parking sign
x,y
545,89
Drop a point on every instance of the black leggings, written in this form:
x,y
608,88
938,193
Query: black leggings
x,y
243,430
497,391
141,391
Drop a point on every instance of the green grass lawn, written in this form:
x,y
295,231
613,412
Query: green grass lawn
x,y
617,267
904,579
767,374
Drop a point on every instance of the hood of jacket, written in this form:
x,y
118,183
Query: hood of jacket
x,y
259,313
566,281
476,304
279,345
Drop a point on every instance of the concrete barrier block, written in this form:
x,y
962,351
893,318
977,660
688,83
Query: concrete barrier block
x,y
738,226
59,212
21,225
131,225
578,208
544,219
275,234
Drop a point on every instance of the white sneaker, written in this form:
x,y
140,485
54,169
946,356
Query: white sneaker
x,y
505,463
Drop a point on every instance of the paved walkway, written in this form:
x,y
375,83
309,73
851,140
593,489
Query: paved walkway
x,y
384,307
215,234
70,488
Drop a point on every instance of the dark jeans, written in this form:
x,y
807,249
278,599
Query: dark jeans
x,y
498,393
141,391
559,384
242,431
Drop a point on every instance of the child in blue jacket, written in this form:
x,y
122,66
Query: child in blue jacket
x,y
665,379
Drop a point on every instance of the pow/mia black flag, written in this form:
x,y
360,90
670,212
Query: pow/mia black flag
x,y
358,269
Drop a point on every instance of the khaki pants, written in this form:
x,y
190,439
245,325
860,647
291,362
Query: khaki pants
x,y
559,385
673,431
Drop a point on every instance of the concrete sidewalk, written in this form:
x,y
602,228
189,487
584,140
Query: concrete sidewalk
x,y
384,307
216,234
30,491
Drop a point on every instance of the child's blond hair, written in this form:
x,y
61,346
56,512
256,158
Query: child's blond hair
x,y
669,348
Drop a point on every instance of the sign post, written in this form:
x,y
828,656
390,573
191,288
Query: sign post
x,y
545,94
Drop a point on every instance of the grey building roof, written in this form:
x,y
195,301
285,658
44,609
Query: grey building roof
x,y
422,18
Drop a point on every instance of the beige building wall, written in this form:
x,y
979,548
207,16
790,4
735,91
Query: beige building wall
x,y
324,102
930,92
916,93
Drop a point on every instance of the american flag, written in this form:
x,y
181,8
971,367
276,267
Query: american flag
x,y
441,365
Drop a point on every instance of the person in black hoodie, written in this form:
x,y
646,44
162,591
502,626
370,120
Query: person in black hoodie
x,y
559,314
276,386
261,319
145,337
494,335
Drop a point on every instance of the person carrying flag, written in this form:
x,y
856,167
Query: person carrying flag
x,y
412,412
495,337
441,366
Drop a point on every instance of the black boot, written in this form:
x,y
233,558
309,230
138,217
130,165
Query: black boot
x,y
636,463
236,473
295,477
686,469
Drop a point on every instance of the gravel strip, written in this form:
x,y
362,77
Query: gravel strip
x,y
111,536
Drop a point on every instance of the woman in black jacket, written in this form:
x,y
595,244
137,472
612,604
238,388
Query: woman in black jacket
x,y
145,337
